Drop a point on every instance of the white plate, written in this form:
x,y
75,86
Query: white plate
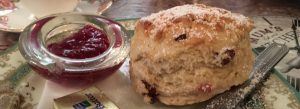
x,y
15,15
15,18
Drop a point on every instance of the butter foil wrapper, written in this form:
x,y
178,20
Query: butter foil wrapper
x,y
91,98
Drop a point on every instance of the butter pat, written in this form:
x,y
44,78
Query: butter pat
x,y
91,98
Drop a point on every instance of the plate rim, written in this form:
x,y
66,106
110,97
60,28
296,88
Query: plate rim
x,y
19,30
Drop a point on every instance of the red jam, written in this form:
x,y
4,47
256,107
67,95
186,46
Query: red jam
x,y
74,49
86,43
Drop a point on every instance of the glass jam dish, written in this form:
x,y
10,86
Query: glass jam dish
x,y
37,40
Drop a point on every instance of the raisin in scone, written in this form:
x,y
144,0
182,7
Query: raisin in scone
x,y
190,53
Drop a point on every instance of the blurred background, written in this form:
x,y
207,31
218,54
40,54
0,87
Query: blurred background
x,y
138,8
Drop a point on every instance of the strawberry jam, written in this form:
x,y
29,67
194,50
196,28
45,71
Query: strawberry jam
x,y
74,49
86,43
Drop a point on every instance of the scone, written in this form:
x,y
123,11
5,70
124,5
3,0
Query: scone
x,y
190,53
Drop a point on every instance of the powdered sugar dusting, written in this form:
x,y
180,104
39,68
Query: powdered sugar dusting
x,y
203,14
264,62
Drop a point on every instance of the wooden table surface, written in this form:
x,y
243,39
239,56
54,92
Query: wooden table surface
x,y
140,8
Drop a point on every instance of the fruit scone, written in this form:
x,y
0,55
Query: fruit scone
x,y
190,53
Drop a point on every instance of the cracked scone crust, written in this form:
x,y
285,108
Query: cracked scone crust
x,y
190,53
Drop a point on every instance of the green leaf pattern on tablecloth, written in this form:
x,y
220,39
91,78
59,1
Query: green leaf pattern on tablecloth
x,y
9,61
